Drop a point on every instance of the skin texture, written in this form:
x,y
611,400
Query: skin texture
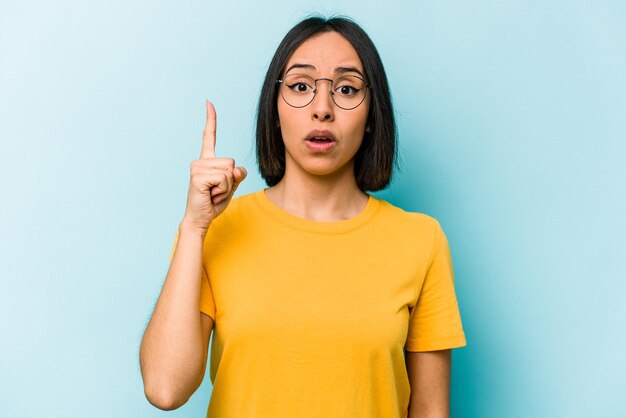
x,y
429,377
321,186
325,52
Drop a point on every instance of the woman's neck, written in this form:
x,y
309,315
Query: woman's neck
x,y
319,198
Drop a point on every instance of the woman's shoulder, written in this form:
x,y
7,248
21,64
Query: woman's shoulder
x,y
397,216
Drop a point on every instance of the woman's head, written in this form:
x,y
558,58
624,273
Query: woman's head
x,y
374,160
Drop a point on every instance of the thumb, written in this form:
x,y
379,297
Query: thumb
x,y
239,173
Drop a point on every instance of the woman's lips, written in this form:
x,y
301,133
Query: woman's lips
x,y
320,144
320,140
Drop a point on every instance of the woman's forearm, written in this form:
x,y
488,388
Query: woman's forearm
x,y
429,377
172,356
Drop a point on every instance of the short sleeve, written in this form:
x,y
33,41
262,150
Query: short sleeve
x,y
207,304
435,320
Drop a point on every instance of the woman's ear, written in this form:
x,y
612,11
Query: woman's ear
x,y
368,128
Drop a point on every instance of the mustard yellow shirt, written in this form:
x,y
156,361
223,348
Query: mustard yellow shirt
x,y
312,318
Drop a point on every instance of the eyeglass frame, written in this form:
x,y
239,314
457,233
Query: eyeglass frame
x,y
332,93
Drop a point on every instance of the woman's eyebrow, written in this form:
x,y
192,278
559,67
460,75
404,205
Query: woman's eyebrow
x,y
338,70
341,70
305,66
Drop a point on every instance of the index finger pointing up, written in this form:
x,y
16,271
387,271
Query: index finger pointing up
x,y
208,136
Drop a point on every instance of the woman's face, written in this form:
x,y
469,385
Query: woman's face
x,y
321,138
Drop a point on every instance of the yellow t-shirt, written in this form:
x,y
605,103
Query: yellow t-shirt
x,y
312,318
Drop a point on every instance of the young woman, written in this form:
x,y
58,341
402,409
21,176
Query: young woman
x,y
323,300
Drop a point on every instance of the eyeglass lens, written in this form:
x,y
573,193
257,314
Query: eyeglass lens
x,y
298,90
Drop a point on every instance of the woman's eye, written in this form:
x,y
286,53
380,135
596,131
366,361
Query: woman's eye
x,y
347,90
299,87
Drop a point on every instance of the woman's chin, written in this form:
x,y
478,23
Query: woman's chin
x,y
328,171
324,167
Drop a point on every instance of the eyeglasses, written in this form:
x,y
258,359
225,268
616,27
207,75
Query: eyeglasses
x,y
347,91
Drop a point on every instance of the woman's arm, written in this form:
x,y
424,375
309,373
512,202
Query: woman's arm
x,y
429,376
174,346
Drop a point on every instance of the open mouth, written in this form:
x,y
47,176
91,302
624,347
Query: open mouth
x,y
320,140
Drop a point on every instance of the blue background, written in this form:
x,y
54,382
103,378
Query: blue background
x,y
512,125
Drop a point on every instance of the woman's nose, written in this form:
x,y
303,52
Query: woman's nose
x,y
322,107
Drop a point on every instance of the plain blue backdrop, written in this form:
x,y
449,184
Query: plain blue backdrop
x,y
512,125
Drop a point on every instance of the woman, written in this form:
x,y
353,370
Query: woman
x,y
324,301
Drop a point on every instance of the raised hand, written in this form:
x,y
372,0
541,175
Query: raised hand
x,y
213,181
